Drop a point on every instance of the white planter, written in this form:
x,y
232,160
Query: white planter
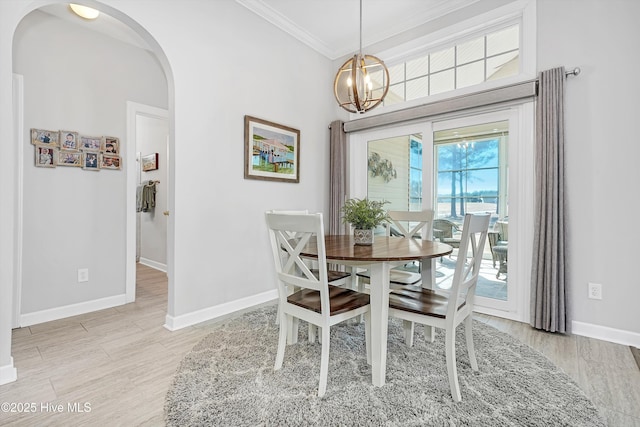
x,y
363,237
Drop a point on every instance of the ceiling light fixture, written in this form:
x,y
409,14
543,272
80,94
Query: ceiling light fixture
x,y
362,82
84,11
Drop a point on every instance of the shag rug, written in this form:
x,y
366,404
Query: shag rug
x,y
228,380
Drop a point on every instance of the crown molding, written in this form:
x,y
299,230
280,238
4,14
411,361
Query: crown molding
x,y
437,9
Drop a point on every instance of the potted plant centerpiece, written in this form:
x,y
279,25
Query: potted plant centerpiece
x,y
364,215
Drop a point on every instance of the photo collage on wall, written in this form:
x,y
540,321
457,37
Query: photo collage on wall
x,y
69,148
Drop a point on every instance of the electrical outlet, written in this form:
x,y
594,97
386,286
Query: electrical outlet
x,y
83,275
595,291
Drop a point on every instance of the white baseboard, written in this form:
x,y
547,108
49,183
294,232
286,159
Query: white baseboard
x,y
605,333
173,323
8,373
71,310
153,264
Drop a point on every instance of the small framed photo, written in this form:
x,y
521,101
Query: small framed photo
x,y
110,145
45,137
109,161
69,140
90,143
69,158
90,161
271,151
150,162
45,156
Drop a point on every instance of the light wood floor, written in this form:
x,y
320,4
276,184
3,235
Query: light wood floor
x,y
121,361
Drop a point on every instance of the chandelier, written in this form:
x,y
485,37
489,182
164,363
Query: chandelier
x,y
362,82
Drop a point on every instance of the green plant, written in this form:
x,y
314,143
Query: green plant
x,y
364,214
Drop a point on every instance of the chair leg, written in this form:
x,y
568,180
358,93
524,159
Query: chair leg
x,y
408,328
450,346
292,329
312,333
282,342
429,333
324,362
367,335
468,332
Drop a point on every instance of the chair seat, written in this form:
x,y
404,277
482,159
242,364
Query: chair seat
x,y
398,277
421,301
333,275
340,299
451,241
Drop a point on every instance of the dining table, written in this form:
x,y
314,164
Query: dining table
x,y
380,257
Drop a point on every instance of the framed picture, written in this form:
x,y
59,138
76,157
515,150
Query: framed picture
x,y
90,143
109,161
90,161
110,145
69,158
68,140
45,156
271,151
45,137
150,162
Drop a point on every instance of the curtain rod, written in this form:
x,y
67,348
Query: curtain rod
x,y
513,92
573,72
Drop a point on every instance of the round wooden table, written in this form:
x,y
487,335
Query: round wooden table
x,y
384,254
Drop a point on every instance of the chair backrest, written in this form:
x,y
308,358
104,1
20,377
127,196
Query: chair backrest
x,y
412,223
445,227
502,227
290,233
465,277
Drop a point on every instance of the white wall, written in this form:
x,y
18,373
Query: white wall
x,y
224,62
79,80
602,152
151,137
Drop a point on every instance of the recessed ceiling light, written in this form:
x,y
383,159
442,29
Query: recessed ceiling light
x,y
84,11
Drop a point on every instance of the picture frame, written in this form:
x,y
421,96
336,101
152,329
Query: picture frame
x,y
44,137
271,151
149,162
46,156
110,145
109,161
90,143
69,158
91,160
68,140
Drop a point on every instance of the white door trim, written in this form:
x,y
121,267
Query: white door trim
x,y
133,110
18,131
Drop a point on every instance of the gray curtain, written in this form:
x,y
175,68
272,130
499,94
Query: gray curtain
x,y
337,176
548,297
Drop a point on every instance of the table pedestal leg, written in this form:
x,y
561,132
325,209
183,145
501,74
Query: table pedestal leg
x,y
429,282
379,294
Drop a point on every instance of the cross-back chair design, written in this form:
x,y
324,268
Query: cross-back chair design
x,y
335,277
314,301
407,224
426,307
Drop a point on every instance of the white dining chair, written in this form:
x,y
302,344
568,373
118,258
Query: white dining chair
x,y
335,277
425,306
316,302
407,224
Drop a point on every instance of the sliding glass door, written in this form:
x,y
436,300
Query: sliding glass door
x,y
465,165
471,176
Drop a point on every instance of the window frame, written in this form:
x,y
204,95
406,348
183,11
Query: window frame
x,y
522,12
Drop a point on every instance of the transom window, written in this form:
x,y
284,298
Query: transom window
x,y
492,56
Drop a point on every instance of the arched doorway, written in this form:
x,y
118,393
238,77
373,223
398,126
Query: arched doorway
x,y
98,194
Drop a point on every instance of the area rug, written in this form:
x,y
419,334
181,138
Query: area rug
x,y
228,380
